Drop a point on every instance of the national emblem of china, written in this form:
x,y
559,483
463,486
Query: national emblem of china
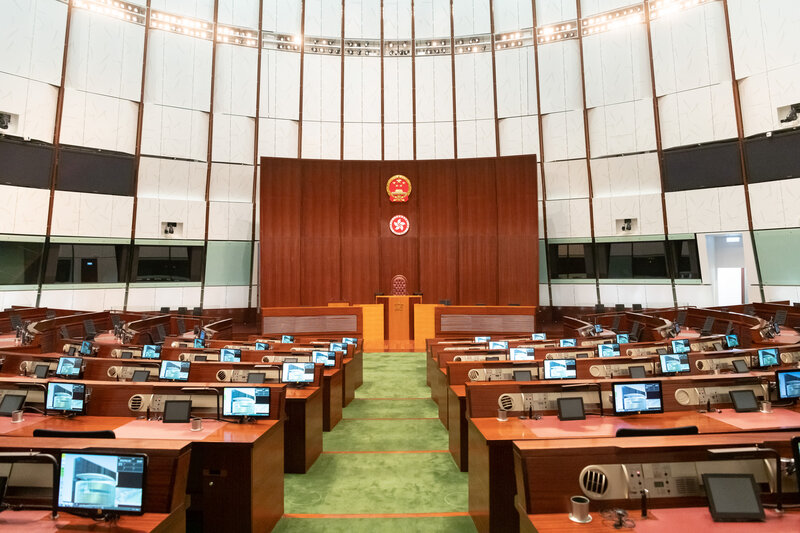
x,y
399,188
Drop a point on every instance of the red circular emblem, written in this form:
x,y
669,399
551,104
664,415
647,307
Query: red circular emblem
x,y
399,225
399,188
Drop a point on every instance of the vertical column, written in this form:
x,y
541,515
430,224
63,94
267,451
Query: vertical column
x,y
453,81
300,99
256,160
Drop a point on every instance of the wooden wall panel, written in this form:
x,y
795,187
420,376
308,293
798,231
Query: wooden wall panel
x,y
477,232
360,263
438,230
320,260
517,221
280,232
398,254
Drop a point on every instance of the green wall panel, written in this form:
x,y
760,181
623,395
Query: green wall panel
x,y
779,256
228,263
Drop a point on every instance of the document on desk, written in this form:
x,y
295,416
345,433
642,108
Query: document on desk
x,y
153,429
778,418
550,427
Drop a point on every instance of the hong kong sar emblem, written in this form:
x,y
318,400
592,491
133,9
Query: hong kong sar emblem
x,y
399,188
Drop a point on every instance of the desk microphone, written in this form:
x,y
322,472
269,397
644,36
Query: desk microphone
x,y
644,502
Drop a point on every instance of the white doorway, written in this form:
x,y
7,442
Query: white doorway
x,y
727,262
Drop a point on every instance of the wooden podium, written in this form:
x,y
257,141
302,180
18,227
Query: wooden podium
x,y
398,316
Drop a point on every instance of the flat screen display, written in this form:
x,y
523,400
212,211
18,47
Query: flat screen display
x,y
140,376
740,367
102,482
498,345
732,341
337,347
40,371
86,348
598,328
623,338
768,357
643,397
66,397
202,334
744,401
287,339
177,411
521,354
522,375
788,384
297,373
567,342
245,401
69,367
11,403
350,340
199,343
174,370
261,346
126,355
637,372
571,409
324,358
257,377
680,346
674,363
539,336
229,355
200,358
608,350
151,351
482,339
733,497
560,369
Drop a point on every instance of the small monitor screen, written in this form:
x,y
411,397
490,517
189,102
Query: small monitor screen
x,y
71,350
350,340
200,358
65,397
69,367
287,339
199,343
245,401
740,367
567,342
297,373
788,384
140,375
228,355
680,346
560,369
101,482
521,354
126,355
768,357
202,334
674,363
522,375
623,338
733,497
539,336
261,346
11,403
571,409
643,397
177,411
744,401
598,328
732,341
324,358
86,348
337,347
151,351
637,372
40,371
608,350
498,345
174,370
482,339
257,377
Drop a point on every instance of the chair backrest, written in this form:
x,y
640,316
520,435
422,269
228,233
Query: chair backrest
x,y
164,310
181,325
399,285
197,311
108,434
615,322
619,307
16,321
89,328
656,432
183,311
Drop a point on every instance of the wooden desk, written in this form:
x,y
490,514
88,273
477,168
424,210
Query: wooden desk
x,y
398,316
41,521
303,440
331,398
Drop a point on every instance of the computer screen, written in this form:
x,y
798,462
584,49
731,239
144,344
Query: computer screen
x,y
202,334
623,338
229,355
521,354
732,341
567,342
69,367
680,346
200,358
324,358
598,328
539,336
103,483
199,343
287,339
744,401
297,373
86,348
337,347
674,363
177,411
482,339
245,401
522,375
174,370
643,397
733,497
257,377
140,375
637,372
571,409
41,370
11,403
608,350
788,384
768,357
66,397
498,345
560,369
260,346
126,355
350,340
151,351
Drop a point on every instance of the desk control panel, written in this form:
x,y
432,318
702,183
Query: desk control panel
x,y
700,396
501,374
790,357
623,369
155,402
647,351
298,357
135,353
721,363
209,356
125,373
240,376
571,354
29,367
482,357
546,401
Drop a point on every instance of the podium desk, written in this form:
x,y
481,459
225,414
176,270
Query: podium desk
x,y
398,316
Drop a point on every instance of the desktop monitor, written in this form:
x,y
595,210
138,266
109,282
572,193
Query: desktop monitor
x,y
69,367
788,384
200,358
86,348
598,328
560,369
68,398
151,351
522,375
297,373
337,347
202,334
350,340
245,401
567,342
571,409
637,372
733,498
40,371
482,339
680,346
732,341
768,357
287,339
608,350
521,354
623,338
229,355
174,370
539,336
498,345
71,351
126,355
634,398
324,358
257,377
744,401
261,346
740,367
674,363
11,403
199,343
102,483
177,411
140,376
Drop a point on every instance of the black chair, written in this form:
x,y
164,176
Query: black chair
x,y
708,326
89,329
197,311
780,317
164,310
636,328
16,321
161,333
681,318
108,434
619,307
657,432
444,302
49,314
181,325
183,310
615,323
116,321
599,308
636,307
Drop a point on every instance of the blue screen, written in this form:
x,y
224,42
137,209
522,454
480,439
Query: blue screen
x,y
482,339
287,339
788,384
567,342
768,357
674,363
262,346
101,482
623,338
680,346
608,350
297,373
67,397
637,398
539,336
245,401
521,354
350,340
498,345
151,351
337,347
560,369
174,370
86,348
324,358
732,341
228,355
198,343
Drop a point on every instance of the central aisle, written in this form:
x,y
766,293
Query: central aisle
x,y
385,467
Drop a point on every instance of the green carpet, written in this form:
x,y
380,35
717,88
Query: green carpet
x,y
423,481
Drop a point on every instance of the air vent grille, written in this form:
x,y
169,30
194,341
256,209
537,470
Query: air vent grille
x,y
594,482
506,402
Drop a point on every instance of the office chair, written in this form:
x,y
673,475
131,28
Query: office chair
x,y
49,314
16,321
107,434
599,308
197,311
89,329
708,326
636,307
656,432
181,325
164,310
183,310
619,307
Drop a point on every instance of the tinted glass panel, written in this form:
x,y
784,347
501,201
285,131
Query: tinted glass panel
x,y
684,259
25,164
632,260
168,263
87,263
20,262
773,158
714,165
571,261
96,172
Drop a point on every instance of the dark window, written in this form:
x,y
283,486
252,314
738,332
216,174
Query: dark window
x,y
571,261
711,165
773,158
94,171
87,263
632,260
684,259
20,262
168,263
26,164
